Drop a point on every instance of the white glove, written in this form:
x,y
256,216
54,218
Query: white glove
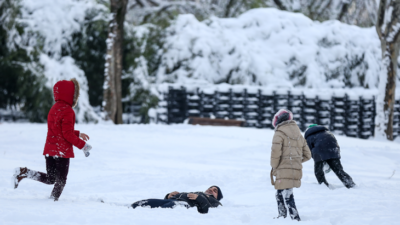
x,y
86,149
326,168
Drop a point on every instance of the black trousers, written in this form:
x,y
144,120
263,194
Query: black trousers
x,y
286,196
337,168
57,172
159,203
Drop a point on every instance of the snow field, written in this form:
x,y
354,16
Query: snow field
x,y
134,162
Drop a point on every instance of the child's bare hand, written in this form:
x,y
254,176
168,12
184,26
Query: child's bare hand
x,y
84,136
172,194
192,196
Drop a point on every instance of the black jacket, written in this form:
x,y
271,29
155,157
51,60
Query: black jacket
x,y
322,143
203,202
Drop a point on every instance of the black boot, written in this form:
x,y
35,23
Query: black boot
x,y
337,168
281,204
289,199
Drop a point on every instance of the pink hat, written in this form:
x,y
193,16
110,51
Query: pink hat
x,y
282,115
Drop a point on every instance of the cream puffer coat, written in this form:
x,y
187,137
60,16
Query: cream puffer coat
x,y
289,151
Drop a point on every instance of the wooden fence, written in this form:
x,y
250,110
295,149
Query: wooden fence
x,y
12,116
346,114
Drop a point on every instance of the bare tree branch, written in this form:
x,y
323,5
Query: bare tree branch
x,y
153,3
139,2
381,17
345,5
324,5
280,5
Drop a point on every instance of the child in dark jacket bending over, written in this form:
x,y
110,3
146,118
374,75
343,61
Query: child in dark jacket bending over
x,y
326,151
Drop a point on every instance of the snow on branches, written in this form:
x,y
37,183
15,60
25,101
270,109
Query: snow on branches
x,y
356,12
49,26
269,47
388,29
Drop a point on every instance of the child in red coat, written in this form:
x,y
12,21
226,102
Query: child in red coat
x,y
61,135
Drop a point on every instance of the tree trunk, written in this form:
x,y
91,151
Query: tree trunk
x,y
390,62
388,32
113,70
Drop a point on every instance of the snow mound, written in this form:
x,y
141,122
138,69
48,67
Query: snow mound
x,y
271,48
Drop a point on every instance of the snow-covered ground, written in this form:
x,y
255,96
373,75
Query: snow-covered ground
x,y
134,162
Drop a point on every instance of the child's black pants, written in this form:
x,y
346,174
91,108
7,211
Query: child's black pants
x,y
337,168
57,172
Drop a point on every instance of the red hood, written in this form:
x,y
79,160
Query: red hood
x,y
64,91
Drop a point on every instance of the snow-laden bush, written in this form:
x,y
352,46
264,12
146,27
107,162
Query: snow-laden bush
x,y
269,47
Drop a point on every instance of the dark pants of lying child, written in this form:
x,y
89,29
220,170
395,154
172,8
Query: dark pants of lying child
x,y
283,196
160,203
337,168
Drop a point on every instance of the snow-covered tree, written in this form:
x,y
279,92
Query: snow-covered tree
x,y
88,49
355,12
269,47
160,11
147,23
388,29
22,83
112,102
44,29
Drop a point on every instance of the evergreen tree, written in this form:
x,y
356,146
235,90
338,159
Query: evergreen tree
x,y
22,87
88,48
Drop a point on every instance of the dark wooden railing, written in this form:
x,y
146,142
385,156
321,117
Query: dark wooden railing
x,y
345,114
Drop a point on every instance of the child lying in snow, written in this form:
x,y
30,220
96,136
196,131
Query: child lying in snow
x,y
202,200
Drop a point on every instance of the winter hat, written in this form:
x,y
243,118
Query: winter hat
x,y
282,115
312,125
64,91
220,196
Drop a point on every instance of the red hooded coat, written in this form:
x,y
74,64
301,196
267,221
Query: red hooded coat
x,y
60,122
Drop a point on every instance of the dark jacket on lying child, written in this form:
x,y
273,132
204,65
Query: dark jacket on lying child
x,y
204,200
